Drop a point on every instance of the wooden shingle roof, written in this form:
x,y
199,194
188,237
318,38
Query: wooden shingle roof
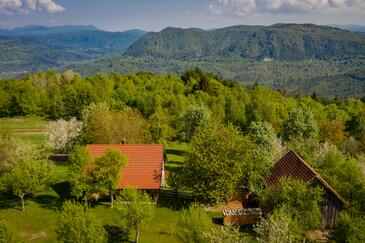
x,y
144,169
293,166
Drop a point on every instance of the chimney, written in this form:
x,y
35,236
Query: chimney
x,y
123,141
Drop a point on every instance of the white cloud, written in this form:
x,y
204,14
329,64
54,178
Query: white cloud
x,y
244,7
11,7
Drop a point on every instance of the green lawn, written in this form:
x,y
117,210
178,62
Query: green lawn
x,y
33,138
28,128
38,222
175,153
27,122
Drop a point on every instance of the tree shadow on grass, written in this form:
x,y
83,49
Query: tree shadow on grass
x,y
52,202
49,202
116,234
63,189
172,169
175,152
176,204
9,201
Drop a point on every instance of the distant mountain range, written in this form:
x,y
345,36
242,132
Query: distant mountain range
x,y
277,42
44,30
298,58
31,48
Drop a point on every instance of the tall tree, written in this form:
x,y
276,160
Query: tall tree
x,y
27,177
194,118
300,124
134,208
264,135
76,223
220,160
107,172
103,126
80,180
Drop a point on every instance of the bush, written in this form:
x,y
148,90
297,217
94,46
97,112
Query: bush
x,y
8,234
193,224
349,229
62,135
78,224
277,228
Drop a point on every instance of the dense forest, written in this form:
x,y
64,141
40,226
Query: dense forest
x,y
284,42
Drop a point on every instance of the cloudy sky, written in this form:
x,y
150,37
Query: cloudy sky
x,y
154,15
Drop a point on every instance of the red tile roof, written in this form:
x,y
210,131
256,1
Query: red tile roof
x,y
293,166
145,163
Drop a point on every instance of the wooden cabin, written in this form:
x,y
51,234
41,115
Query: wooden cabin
x,y
145,166
293,166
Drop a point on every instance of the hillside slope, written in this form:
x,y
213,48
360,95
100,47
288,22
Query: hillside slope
x,y
277,42
31,48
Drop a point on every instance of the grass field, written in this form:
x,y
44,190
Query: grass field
x,y
38,222
29,122
32,129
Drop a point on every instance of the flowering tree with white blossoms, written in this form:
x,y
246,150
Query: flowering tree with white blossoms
x,y
62,134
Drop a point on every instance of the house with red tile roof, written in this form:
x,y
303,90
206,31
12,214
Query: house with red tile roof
x,y
145,167
293,166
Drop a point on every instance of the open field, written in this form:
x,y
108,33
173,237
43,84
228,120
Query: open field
x,y
32,129
28,122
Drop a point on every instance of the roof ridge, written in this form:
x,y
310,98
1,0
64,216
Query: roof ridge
x,y
319,177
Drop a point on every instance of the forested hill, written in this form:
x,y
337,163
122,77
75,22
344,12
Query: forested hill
x,y
32,48
278,42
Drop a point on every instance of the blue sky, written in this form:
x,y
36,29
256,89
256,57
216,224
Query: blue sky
x,y
154,15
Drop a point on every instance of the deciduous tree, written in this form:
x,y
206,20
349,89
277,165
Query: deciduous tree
x,y
109,127
62,135
76,223
80,180
300,124
194,118
27,177
220,160
106,172
134,208
298,198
